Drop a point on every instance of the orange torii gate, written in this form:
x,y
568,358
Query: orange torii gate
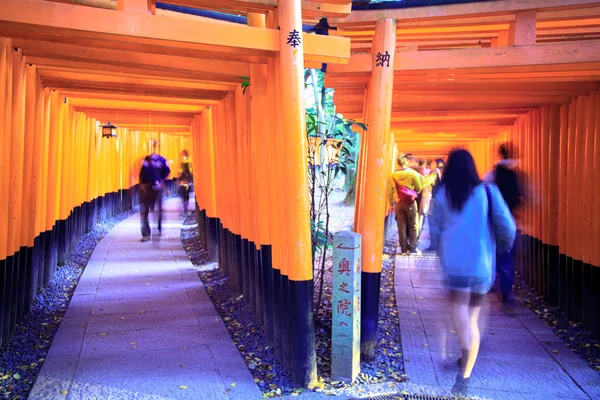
x,y
473,75
159,75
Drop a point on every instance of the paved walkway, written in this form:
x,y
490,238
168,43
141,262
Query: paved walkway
x,y
141,326
520,357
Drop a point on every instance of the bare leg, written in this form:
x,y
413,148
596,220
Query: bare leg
x,y
475,334
462,323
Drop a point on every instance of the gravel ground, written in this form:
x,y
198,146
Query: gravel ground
x,y
573,334
248,333
22,357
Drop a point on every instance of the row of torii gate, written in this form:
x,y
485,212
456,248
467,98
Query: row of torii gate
x,y
475,69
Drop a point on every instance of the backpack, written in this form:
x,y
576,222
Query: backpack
x,y
154,171
406,195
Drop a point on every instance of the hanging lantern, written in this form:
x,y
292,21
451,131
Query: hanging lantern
x,y
109,130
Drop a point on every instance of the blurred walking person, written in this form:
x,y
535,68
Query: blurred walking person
x,y
506,178
185,181
423,168
470,220
153,173
435,179
429,180
403,188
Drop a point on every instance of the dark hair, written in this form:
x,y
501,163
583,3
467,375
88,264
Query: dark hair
x,y
503,150
460,177
507,150
423,162
402,160
440,163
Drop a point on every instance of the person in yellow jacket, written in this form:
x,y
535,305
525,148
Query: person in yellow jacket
x,y
406,209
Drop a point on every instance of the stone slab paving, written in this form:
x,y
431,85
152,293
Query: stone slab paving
x,y
140,325
520,357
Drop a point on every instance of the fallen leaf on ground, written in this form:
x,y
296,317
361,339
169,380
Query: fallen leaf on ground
x,y
182,387
555,351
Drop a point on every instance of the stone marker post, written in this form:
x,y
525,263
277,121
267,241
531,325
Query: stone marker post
x,y
345,363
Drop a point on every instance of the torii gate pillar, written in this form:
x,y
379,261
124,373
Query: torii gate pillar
x,y
293,121
373,194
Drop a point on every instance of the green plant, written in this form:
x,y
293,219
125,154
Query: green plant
x,y
331,151
245,83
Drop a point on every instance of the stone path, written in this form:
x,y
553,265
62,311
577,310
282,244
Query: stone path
x,y
520,357
141,326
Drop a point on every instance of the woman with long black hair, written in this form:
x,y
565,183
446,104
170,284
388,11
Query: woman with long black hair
x,y
468,222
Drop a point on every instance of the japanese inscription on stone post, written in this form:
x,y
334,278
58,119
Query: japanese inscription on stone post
x,y
346,307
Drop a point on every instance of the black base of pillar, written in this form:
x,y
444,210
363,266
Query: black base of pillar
x,y
212,245
238,267
552,266
286,320
41,262
245,271
258,285
222,255
304,366
6,268
577,291
592,307
25,254
562,282
62,237
369,316
268,299
277,319
226,249
50,255
252,276
37,263
15,287
587,296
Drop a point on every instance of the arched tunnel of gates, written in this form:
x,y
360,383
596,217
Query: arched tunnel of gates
x,y
558,253
59,177
559,223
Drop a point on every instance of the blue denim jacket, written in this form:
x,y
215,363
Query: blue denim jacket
x,y
467,243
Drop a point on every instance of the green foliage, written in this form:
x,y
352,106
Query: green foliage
x,y
332,151
318,234
245,83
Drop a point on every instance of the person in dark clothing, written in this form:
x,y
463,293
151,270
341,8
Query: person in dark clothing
x,y
153,173
506,177
437,166
185,180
